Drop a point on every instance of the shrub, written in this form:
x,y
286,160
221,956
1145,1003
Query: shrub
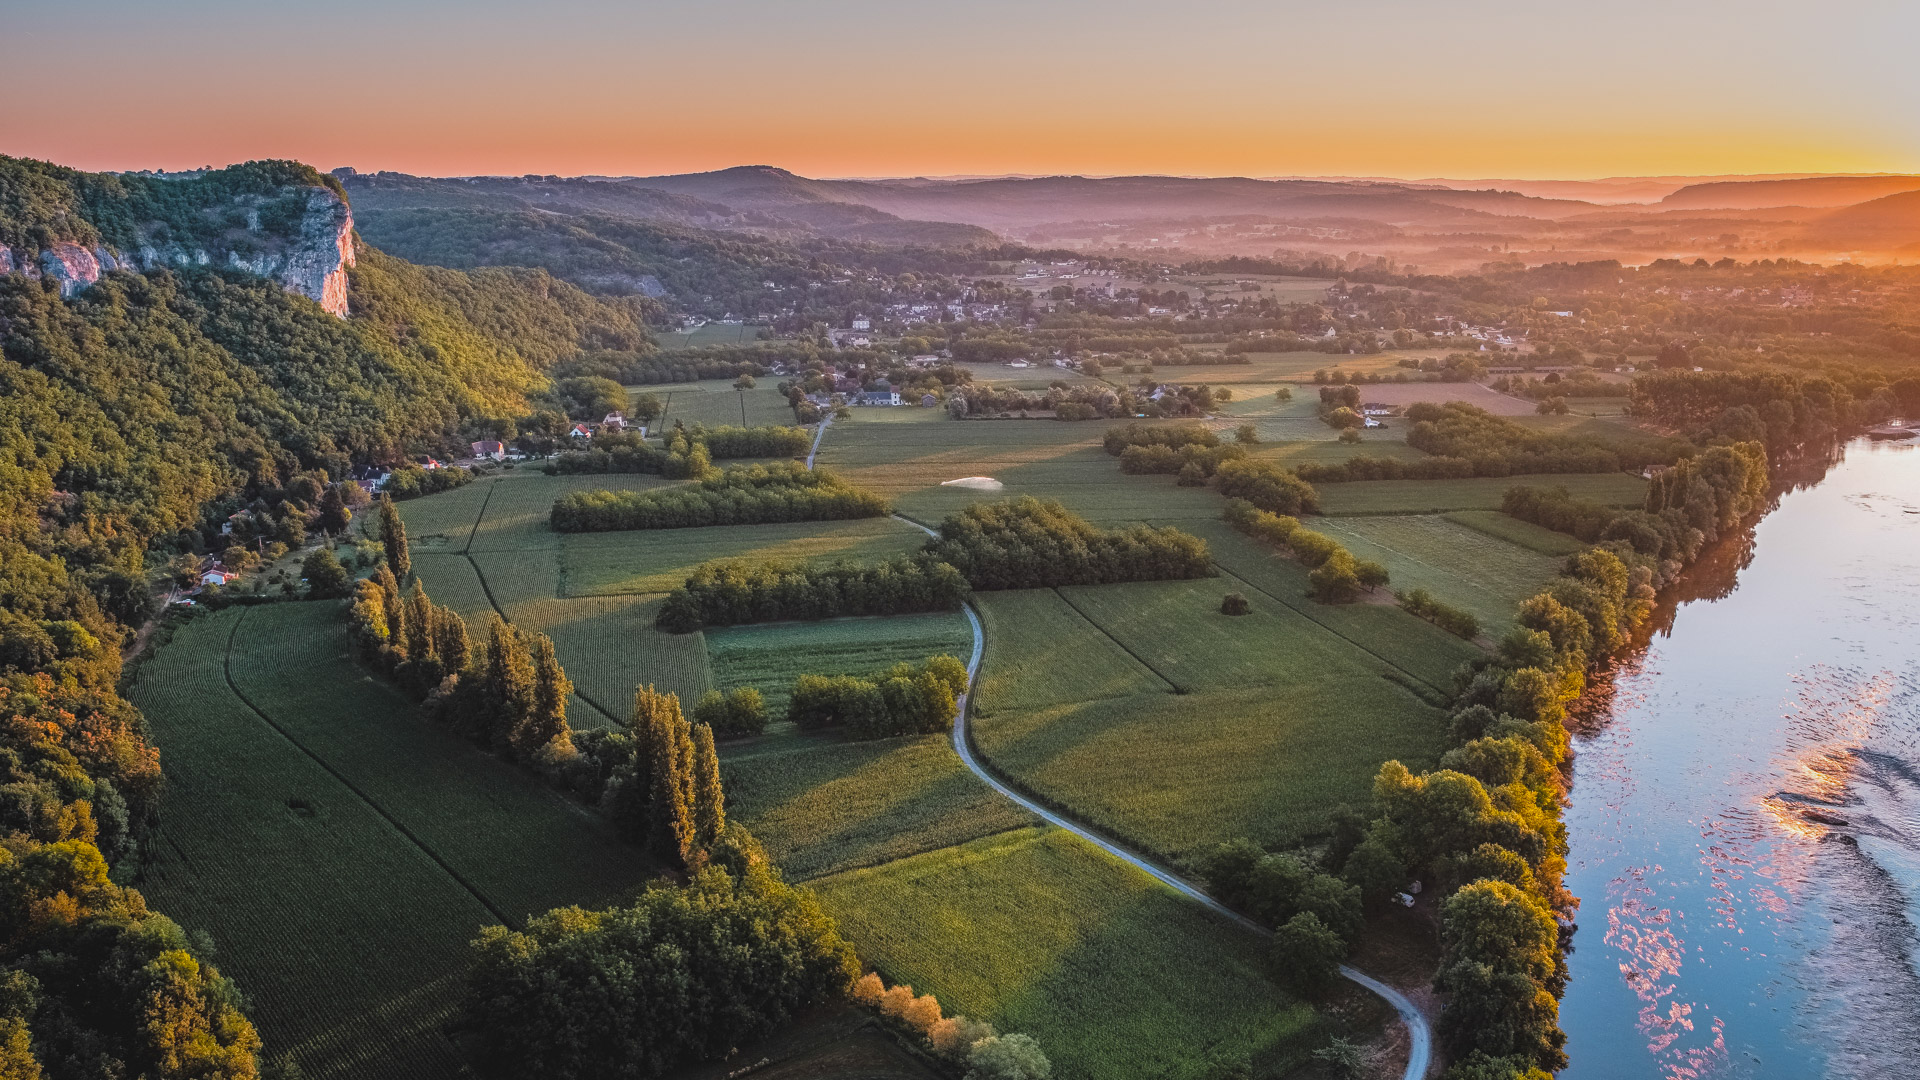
x,y
1234,604
736,712
1453,620
1008,1057
1266,486
412,482
903,701
1305,955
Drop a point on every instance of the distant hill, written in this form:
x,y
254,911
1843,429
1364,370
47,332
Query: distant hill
x,y
1817,191
1890,222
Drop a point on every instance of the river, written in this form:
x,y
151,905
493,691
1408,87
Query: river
x,y
1745,811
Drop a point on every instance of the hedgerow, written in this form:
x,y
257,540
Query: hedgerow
x,y
740,495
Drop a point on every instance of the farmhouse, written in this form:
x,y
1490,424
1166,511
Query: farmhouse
x,y
581,431
615,421
216,574
1376,408
490,450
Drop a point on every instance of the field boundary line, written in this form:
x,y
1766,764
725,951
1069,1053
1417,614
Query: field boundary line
x,y
1108,634
508,619
1419,1032
480,517
1417,561
1323,626
226,670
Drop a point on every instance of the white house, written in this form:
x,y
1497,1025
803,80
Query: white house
x,y
581,431
861,322
615,421
490,450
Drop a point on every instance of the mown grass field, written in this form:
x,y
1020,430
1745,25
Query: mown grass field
x,y
1465,567
769,658
659,560
340,851
1047,459
1514,531
1116,975
1473,493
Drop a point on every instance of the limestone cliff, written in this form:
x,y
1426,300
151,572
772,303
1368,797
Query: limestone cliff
x,y
307,246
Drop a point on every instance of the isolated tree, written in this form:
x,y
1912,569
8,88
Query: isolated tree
x,y
1246,435
393,537
326,578
547,720
709,800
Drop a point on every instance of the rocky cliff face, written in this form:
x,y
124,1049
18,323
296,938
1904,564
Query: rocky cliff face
x,y
312,262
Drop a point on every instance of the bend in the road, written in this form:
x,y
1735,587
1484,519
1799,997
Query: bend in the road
x,y
1419,1032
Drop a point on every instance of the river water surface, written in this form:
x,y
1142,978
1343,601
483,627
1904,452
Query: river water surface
x,y
1745,811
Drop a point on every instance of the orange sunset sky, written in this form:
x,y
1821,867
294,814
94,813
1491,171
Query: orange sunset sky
x,y
850,87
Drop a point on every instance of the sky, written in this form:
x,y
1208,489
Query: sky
x,y
1411,88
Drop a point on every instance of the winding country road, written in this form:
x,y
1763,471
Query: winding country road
x,y
1419,1032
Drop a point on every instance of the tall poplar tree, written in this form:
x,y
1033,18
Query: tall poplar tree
x,y
709,800
450,641
509,682
395,610
393,537
422,651
548,719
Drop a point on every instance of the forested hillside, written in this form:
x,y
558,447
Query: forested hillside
x,y
134,414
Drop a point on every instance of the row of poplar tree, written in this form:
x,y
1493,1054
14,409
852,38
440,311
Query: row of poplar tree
x,y
511,695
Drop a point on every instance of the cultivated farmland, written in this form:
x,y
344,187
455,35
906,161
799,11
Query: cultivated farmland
x,y
770,657
338,849
1039,932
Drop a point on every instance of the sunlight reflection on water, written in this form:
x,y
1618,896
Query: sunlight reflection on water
x,y
1745,813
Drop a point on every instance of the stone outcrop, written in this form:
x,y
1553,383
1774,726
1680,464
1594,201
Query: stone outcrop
x,y
313,262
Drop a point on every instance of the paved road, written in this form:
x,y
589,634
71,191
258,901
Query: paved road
x,y
817,436
1420,1052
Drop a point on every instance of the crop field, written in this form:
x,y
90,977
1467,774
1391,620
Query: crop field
x,y
714,402
620,563
1287,290
1277,719
609,645
1474,493
1036,931
1409,393
1412,652
769,658
1514,531
276,823
1040,651
1295,367
822,804
1047,459
1460,566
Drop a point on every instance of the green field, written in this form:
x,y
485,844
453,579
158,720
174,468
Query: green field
x,y
1475,493
1048,459
1039,932
1462,566
712,333
1277,719
822,804
714,402
339,851
1043,652
1514,531
620,563
769,658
